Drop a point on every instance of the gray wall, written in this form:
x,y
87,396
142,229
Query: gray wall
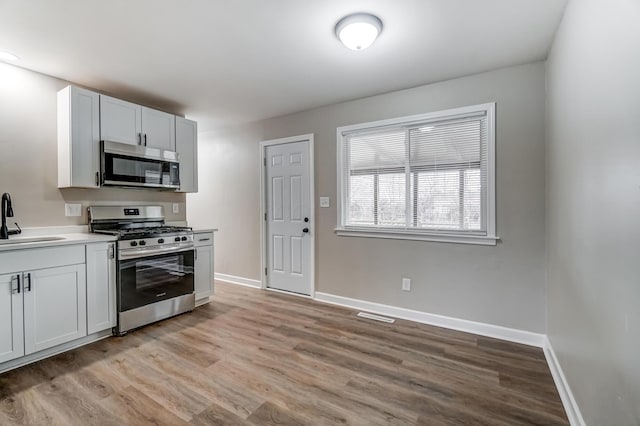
x,y
501,285
28,156
229,198
593,199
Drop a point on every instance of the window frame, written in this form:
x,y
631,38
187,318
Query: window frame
x,y
450,236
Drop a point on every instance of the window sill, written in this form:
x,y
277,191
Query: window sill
x,y
414,236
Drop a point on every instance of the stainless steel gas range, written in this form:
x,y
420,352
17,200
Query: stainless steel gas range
x,y
154,263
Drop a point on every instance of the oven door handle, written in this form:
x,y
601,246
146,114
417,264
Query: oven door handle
x,y
138,253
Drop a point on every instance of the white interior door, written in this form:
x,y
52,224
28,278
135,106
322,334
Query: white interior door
x,y
288,217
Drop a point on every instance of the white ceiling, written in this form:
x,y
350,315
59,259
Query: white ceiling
x,y
229,61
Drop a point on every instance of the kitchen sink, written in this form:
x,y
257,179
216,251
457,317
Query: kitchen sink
x,y
30,240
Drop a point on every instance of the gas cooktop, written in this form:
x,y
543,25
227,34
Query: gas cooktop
x,y
145,232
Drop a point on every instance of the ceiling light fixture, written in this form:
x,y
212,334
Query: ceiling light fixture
x,y
6,56
358,31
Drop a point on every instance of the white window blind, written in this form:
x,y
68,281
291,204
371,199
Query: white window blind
x,y
426,174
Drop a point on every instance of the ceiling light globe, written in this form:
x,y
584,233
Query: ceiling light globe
x,y
358,31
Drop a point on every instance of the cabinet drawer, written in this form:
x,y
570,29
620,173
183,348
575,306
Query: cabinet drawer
x,y
203,239
40,258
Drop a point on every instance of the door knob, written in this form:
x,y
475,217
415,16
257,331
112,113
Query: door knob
x,y
305,230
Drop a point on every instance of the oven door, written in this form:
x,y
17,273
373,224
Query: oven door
x,y
146,280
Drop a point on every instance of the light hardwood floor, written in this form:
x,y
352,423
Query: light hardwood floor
x,y
254,357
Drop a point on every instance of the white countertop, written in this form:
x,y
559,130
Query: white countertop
x,y
60,236
20,242
200,231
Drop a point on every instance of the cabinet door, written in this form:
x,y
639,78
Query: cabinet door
x,y
120,121
203,273
101,287
78,138
158,129
11,334
187,148
55,307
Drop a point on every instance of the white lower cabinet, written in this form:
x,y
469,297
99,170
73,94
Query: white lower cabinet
x,y
11,332
203,266
55,307
43,300
101,287
204,272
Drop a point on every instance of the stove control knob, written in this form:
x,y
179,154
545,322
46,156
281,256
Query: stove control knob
x,y
134,243
184,238
160,240
142,243
177,239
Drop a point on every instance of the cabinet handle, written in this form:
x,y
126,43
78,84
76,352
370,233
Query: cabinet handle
x,y
204,239
112,252
97,178
17,278
145,139
195,254
29,280
139,138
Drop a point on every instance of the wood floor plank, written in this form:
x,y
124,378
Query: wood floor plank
x,y
437,410
232,397
253,357
216,415
269,414
175,397
67,401
26,407
131,406
314,410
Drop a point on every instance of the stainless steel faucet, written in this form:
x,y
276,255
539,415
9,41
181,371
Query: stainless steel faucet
x,y
7,211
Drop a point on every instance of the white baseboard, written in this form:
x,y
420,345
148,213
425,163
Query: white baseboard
x,y
483,329
238,280
568,401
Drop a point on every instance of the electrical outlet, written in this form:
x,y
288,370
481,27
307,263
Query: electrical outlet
x,y
176,208
72,209
406,284
325,202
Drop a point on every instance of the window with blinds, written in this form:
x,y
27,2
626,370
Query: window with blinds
x,y
421,175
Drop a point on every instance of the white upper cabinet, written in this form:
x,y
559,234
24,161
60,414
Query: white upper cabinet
x,y
158,129
120,121
125,122
187,148
78,138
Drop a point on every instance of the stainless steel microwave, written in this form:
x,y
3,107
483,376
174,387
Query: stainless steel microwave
x,y
138,166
